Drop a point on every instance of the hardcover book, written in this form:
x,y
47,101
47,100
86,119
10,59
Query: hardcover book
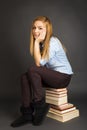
x,y
64,117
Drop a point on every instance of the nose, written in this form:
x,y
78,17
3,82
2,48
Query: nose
x,y
36,30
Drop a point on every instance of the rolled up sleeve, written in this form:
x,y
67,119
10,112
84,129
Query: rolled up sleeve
x,y
43,62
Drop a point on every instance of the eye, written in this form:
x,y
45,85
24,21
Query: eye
x,y
40,28
33,27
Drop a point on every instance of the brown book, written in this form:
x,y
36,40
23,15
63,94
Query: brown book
x,y
64,117
62,107
56,101
63,111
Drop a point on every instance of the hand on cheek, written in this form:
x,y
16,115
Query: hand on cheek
x,y
41,37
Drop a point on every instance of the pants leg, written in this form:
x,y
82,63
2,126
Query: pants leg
x,y
36,84
26,92
40,76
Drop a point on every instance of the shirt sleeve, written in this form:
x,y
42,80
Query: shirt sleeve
x,y
54,47
43,62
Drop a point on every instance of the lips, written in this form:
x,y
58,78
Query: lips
x,y
36,36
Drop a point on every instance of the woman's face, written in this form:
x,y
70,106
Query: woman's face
x,y
39,28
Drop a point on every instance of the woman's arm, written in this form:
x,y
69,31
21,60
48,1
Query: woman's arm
x,y
37,55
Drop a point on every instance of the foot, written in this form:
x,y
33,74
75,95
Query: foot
x,y
21,121
40,114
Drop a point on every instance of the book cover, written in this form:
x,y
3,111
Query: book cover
x,y
64,117
56,92
57,98
56,101
56,95
63,106
63,111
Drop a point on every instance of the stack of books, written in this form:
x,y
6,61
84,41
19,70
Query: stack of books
x,y
60,108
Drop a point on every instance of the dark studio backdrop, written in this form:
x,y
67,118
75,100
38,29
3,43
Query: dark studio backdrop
x,y
69,18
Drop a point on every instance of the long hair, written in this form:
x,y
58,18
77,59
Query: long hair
x,y
49,31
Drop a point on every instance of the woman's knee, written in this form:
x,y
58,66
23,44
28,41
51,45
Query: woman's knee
x,y
32,69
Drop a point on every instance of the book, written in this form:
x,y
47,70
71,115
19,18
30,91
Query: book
x,y
64,117
56,101
56,98
56,95
56,92
63,111
62,107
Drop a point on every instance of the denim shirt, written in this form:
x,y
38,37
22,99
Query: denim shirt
x,y
58,60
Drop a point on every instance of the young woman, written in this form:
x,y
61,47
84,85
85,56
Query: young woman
x,y
52,69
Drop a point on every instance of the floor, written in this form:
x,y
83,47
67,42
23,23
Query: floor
x,y
9,111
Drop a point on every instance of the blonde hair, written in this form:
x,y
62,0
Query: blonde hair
x,y
49,31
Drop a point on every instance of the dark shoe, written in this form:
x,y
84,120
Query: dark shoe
x,y
41,109
25,118
20,121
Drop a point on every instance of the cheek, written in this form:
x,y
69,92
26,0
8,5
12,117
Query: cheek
x,y
44,32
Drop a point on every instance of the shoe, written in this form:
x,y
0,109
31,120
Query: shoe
x,y
41,109
25,118
20,121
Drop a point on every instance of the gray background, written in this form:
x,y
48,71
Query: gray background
x,y
69,18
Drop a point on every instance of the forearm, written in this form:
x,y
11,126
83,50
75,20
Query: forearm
x,y
37,55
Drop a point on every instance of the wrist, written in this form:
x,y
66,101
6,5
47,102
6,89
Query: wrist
x,y
37,41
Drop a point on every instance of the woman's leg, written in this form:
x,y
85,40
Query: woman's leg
x,y
39,76
26,92
48,77
26,108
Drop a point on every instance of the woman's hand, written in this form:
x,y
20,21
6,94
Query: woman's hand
x,y
37,54
41,37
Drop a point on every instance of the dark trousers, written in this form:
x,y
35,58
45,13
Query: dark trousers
x,y
37,78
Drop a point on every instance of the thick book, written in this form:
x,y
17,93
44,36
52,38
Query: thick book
x,y
62,107
56,95
61,112
56,92
64,117
56,98
56,101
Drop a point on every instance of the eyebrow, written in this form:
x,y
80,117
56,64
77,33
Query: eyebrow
x,y
38,26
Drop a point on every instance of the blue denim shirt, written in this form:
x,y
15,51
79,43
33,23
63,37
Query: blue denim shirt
x,y
58,60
